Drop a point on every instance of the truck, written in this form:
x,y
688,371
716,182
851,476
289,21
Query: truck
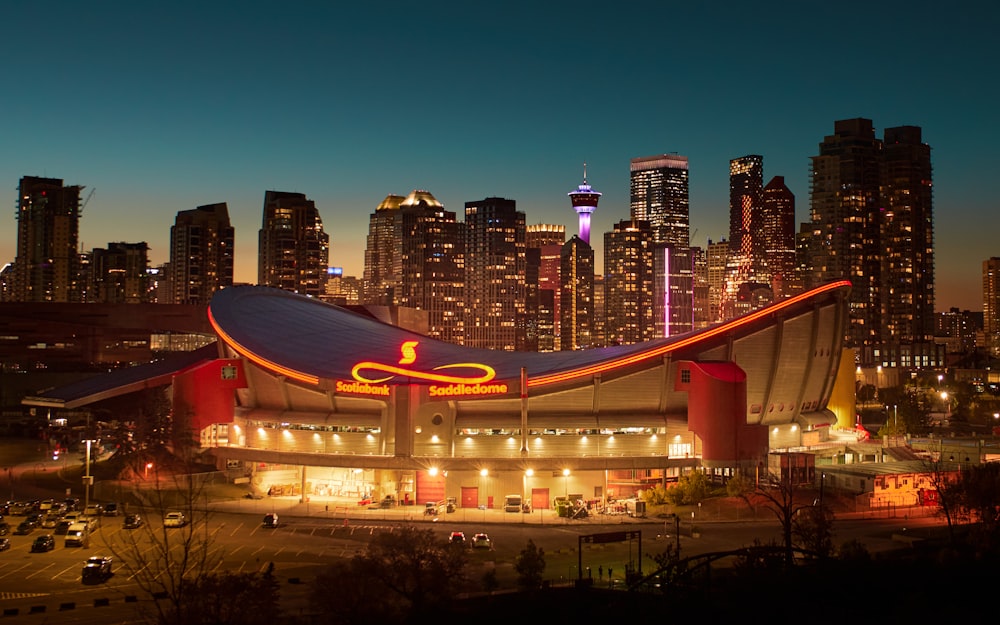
x,y
512,503
78,535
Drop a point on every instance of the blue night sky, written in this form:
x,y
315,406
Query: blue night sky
x,y
162,107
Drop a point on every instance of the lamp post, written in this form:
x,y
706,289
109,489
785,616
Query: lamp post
x,y
149,465
566,476
87,479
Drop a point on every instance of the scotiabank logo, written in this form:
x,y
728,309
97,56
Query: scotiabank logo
x,y
377,373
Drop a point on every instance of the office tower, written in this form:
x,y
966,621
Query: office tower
x,y
293,250
907,240
577,299
673,290
201,254
415,258
47,265
538,235
991,304
746,194
872,223
119,274
701,292
628,291
598,336
777,232
381,257
341,290
584,200
548,240
659,195
494,273
716,265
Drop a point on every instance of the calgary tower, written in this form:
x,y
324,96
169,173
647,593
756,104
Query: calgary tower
x,y
584,203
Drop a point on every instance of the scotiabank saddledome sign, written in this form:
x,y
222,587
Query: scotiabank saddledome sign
x,y
372,378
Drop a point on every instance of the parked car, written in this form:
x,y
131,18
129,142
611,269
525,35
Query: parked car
x,y
457,538
4,528
481,541
270,520
132,521
93,509
45,542
62,527
96,569
174,519
24,528
111,509
4,544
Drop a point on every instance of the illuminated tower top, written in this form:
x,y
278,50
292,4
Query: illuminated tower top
x,y
584,203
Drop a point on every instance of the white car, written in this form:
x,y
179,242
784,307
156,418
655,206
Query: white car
x,y
174,519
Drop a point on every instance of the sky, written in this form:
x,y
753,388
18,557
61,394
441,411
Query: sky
x,y
157,108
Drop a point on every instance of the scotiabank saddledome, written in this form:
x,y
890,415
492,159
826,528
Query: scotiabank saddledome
x,y
337,404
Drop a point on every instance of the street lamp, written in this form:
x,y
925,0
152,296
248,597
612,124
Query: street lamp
x,y
566,475
87,478
149,465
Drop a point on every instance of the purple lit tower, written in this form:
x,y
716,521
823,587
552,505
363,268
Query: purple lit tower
x,y
584,203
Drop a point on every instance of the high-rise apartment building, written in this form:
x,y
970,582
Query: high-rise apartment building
x,y
494,274
577,299
201,254
628,285
47,265
777,232
415,258
872,223
293,249
119,274
991,304
538,235
907,240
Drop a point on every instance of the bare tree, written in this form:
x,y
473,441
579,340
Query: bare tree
x,y
777,494
167,562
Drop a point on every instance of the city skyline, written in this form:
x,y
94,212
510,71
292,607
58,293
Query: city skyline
x,y
350,105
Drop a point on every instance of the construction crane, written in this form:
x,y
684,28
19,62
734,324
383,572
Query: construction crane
x,y
84,204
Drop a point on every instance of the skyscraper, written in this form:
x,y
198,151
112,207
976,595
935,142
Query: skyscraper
x,y
628,286
777,232
991,304
872,223
494,273
47,265
415,258
201,253
659,195
584,200
548,239
293,249
907,240
746,188
577,299
381,257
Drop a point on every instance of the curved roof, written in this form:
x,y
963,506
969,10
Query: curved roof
x,y
308,340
